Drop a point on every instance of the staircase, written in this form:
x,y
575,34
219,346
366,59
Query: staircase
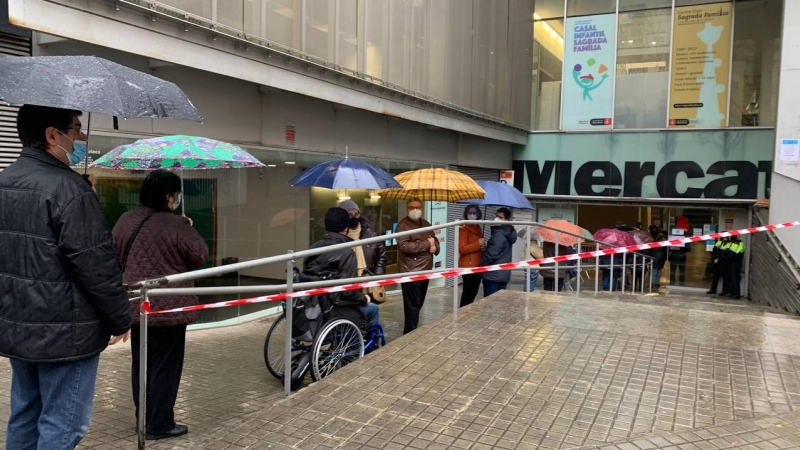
x,y
774,274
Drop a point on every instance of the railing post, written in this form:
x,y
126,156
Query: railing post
x,y
526,256
455,266
612,280
651,276
596,269
633,281
287,359
578,282
624,270
558,235
141,430
644,270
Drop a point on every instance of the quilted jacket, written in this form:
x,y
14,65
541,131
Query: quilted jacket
x,y
166,245
61,294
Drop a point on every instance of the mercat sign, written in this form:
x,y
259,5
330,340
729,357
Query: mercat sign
x,y
722,179
717,164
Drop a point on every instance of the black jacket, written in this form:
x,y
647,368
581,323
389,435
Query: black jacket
x,y
336,264
61,294
498,251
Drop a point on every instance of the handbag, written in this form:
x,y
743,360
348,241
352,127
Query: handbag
x,y
377,293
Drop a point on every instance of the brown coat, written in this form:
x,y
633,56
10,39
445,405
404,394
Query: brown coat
x,y
413,252
165,245
469,247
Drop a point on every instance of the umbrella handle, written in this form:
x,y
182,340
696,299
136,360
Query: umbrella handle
x,y
183,197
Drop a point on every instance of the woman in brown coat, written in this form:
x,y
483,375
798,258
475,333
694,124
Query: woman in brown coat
x,y
470,250
152,241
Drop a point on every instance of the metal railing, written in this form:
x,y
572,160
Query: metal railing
x,y
143,291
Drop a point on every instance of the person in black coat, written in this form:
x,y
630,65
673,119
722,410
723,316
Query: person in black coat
x,y
61,293
339,264
498,251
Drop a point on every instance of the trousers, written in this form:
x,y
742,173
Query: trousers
x,y
490,287
413,298
166,347
472,282
51,404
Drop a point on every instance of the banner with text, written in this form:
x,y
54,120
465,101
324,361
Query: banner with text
x,y
701,55
589,60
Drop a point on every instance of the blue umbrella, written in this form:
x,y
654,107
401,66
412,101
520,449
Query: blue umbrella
x,y
500,194
345,174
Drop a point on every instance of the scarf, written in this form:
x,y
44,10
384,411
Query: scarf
x,y
361,262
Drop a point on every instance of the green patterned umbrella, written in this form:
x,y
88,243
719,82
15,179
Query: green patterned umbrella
x,y
177,153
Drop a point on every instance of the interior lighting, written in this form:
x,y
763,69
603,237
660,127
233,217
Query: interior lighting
x,y
553,33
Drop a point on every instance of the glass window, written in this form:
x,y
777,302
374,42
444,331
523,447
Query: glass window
x,y
281,22
548,59
756,63
377,12
320,20
348,34
200,8
590,7
548,9
643,69
231,13
639,5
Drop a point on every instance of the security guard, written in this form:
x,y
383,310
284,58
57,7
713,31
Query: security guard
x,y
736,257
716,255
725,267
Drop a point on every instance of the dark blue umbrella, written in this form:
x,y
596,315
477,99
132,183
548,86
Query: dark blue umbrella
x,y
345,174
500,194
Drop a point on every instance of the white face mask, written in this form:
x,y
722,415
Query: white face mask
x,y
415,214
497,219
178,203
472,216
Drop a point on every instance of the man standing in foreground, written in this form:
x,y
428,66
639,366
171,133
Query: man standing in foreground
x,y
415,253
61,293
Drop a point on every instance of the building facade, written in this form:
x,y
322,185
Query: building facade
x,y
654,112
649,112
399,84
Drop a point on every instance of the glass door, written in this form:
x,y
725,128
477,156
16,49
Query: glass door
x,y
689,265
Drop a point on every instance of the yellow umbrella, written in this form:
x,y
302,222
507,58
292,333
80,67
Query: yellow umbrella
x,y
434,185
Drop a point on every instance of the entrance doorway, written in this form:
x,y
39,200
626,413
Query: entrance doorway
x,y
686,267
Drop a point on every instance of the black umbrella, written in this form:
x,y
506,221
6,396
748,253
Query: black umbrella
x,y
92,84
89,83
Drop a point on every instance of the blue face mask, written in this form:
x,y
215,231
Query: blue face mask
x,y
79,150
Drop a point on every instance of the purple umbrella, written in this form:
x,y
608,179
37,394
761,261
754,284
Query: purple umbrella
x,y
612,236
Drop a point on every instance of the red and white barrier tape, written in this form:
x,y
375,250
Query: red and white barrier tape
x,y
466,271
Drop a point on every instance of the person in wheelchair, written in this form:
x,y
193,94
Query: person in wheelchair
x,y
341,263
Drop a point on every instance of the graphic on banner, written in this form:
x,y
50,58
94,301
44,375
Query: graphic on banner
x,y
507,177
589,57
700,62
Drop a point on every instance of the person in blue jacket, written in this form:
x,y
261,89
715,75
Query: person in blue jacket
x,y
498,251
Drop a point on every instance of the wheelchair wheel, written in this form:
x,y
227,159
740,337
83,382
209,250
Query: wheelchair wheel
x,y
338,344
274,347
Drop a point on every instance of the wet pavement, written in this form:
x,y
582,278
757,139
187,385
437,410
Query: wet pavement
x,y
513,371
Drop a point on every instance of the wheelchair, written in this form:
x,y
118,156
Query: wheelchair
x,y
343,338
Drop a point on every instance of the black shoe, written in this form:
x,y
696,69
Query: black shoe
x,y
711,292
724,294
176,431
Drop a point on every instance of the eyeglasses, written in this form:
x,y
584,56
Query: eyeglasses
x,y
415,208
